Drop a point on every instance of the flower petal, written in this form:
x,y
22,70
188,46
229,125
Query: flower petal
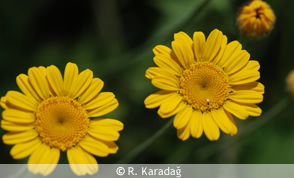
x,y
237,62
81,83
186,47
196,127
156,72
231,49
93,90
199,45
11,138
22,150
220,54
236,109
210,128
213,44
18,116
166,83
253,86
107,123
94,146
21,101
183,117
81,162
246,97
252,109
183,53
107,108
55,80
22,81
43,160
184,133
38,81
171,106
71,72
102,99
224,123
15,127
166,63
3,102
156,99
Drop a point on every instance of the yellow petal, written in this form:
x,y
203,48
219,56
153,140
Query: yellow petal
x,y
156,72
55,80
234,125
237,62
11,138
107,108
161,49
253,86
252,109
246,97
222,120
19,100
183,117
102,99
199,45
196,127
93,90
184,133
71,72
171,106
81,83
15,127
213,44
210,128
236,109
113,148
244,77
186,45
22,81
94,146
38,81
81,162
182,54
3,102
18,116
166,63
156,99
166,83
220,54
231,49
103,133
22,150
111,124
43,160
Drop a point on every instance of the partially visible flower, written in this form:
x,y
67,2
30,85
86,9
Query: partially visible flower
x,y
256,19
203,82
290,82
52,114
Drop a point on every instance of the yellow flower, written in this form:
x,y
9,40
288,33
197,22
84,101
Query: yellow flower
x,y
290,82
52,114
256,19
204,82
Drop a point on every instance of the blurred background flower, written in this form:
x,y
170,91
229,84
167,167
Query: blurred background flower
x,y
115,38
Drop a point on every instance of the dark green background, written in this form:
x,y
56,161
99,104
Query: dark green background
x,y
114,38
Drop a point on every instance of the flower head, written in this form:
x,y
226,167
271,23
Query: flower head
x,y
256,19
52,114
203,82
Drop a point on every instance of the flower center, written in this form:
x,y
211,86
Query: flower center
x,y
204,86
61,122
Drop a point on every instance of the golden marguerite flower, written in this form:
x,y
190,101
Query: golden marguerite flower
x,y
256,19
204,82
52,114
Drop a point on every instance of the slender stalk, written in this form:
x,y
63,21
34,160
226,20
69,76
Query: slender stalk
x,y
140,148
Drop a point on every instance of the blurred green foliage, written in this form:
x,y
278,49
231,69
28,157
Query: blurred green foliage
x,y
115,38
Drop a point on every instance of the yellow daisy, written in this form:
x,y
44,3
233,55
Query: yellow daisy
x,y
52,114
204,82
256,19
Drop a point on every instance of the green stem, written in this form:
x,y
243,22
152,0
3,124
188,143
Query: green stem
x,y
134,153
215,147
